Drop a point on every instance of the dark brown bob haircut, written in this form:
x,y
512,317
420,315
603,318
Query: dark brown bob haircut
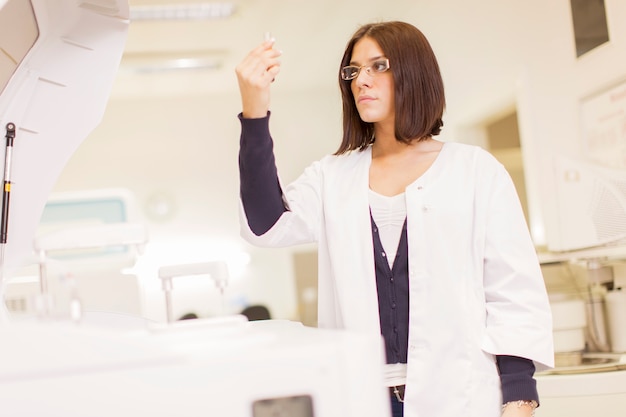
x,y
418,86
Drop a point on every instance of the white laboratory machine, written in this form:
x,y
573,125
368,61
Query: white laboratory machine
x,y
589,322
58,62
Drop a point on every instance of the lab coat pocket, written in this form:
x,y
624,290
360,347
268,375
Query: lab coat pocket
x,y
486,389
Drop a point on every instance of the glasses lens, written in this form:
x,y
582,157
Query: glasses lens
x,y
349,73
380,65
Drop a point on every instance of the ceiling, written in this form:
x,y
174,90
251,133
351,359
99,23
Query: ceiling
x,y
314,32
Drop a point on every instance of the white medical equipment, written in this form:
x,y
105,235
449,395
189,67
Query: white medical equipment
x,y
85,243
219,367
590,373
216,270
58,63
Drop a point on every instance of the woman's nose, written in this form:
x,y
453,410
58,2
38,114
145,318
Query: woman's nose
x,y
364,78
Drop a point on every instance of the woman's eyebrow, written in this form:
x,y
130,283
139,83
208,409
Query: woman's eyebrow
x,y
369,60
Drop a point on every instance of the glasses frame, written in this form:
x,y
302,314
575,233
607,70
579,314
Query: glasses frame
x,y
368,68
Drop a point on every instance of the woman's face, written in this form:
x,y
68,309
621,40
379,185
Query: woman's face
x,y
373,92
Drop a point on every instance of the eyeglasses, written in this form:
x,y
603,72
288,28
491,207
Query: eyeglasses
x,y
377,67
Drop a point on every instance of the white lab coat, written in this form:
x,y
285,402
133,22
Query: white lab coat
x,y
476,288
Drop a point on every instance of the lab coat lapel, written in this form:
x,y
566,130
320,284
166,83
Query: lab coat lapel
x,y
350,238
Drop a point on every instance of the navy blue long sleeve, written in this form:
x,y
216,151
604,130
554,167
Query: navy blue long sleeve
x,y
259,188
516,378
261,197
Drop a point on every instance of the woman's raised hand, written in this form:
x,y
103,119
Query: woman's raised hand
x,y
255,74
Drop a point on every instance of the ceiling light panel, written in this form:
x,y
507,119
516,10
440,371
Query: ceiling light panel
x,y
195,11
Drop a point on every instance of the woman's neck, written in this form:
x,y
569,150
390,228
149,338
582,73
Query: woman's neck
x,y
388,145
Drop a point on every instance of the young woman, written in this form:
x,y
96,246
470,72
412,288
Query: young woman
x,y
421,241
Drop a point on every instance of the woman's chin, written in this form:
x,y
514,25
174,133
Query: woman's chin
x,y
368,117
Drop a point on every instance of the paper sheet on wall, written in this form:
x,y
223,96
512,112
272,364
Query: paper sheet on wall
x,y
604,127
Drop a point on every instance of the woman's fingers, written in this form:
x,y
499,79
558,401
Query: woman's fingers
x,y
255,74
259,63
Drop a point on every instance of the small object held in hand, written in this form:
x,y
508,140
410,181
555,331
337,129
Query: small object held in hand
x,y
267,36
